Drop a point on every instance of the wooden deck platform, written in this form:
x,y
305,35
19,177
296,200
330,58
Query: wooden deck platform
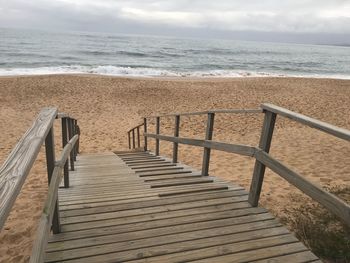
x,y
136,207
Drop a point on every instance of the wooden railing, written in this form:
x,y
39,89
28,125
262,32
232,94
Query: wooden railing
x,y
261,153
17,166
135,141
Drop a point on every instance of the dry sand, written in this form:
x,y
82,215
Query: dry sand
x,y
106,107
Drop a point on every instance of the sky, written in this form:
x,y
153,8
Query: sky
x,y
300,21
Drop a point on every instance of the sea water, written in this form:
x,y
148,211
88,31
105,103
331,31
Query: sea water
x,y
31,52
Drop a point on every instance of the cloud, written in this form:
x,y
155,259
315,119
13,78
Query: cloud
x,y
297,16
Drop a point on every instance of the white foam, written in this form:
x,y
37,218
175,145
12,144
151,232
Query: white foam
x,y
150,72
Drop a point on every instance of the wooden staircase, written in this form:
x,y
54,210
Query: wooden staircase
x,y
137,207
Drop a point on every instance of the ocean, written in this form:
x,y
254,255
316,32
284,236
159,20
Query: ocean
x,y
34,52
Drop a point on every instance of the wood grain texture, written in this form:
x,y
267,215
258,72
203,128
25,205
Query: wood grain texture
x,y
177,220
50,205
236,111
259,168
330,201
220,146
16,168
208,137
313,123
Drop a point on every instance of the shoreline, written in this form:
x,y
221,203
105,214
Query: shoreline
x,y
176,78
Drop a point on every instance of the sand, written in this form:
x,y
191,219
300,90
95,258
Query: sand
x,y
106,107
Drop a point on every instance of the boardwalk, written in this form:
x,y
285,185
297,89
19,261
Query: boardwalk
x,y
142,208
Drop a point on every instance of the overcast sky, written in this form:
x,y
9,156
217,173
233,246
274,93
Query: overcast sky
x,y
320,21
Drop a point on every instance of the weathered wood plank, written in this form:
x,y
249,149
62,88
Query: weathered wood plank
x,y
157,224
17,166
149,217
154,232
50,205
311,122
153,203
233,244
299,257
330,201
221,146
259,168
156,241
248,256
208,137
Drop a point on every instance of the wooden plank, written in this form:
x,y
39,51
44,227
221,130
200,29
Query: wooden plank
x,y
313,123
138,157
259,168
167,168
50,164
160,160
330,201
153,203
233,244
165,164
157,132
299,257
208,137
172,177
64,143
158,232
156,241
237,111
138,135
157,223
140,193
16,168
256,254
121,205
176,134
220,146
70,136
145,131
105,213
133,138
50,206
163,172
152,217
180,182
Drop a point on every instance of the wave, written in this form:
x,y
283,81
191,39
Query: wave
x,y
152,72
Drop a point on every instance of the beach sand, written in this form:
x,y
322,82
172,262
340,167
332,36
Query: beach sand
x,y
106,107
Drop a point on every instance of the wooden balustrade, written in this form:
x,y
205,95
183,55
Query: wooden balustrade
x,y
261,153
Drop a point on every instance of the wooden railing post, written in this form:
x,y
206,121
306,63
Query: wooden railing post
x,y
259,168
133,138
145,131
129,140
208,136
50,163
70,136
138,136
74,133
157,132
64,143
176,134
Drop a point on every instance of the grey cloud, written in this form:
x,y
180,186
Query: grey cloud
x,y
314,17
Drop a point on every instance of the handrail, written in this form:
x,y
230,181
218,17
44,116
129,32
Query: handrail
x,y
313,123
48,211
209,111
328,200
16,168
132,131
260,153
244,150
